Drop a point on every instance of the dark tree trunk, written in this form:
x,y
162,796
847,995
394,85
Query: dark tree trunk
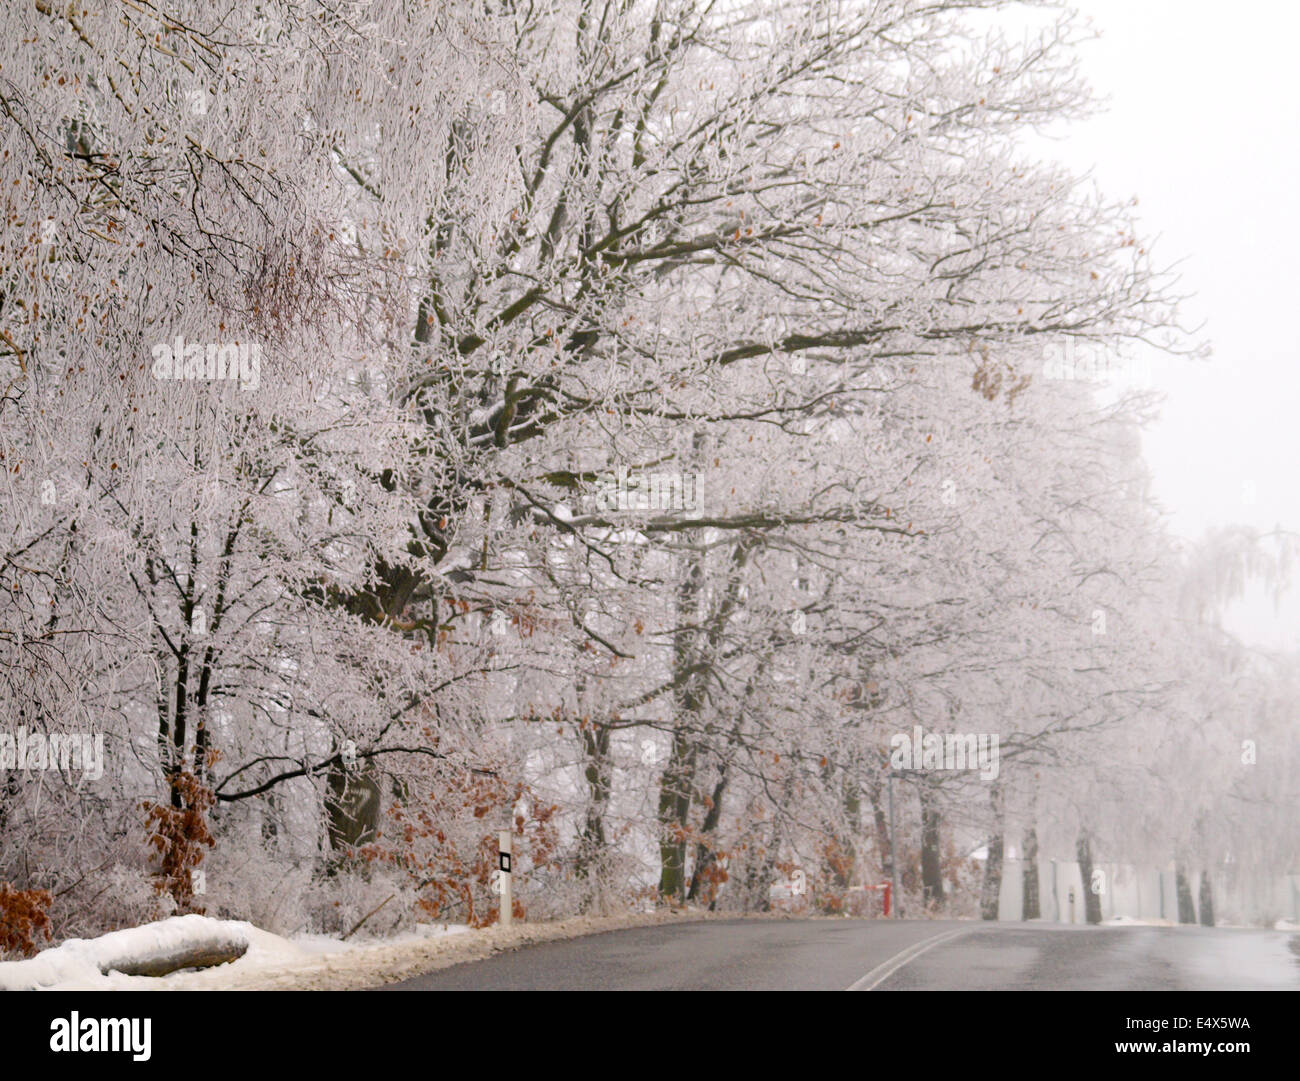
x,y
352,805
676,786
844,868
931,855
992,890
884,842
591,843
705,855
1207,900
757,882
1031,908
674,810
1091,898
8,797
1186,906
693,653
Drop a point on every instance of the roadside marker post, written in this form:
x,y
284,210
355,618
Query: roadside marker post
x,y
893,894
505,852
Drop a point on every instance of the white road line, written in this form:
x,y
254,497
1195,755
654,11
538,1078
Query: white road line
x,y
881,973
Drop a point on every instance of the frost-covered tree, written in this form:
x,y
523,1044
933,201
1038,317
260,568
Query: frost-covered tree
x,y
613,420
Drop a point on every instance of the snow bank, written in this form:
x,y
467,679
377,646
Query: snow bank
x,y
88,962
268,960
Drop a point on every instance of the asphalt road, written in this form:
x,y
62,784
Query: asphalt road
x,y
886,955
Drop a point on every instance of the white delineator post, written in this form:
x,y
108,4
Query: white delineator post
x,y
894,896
504,865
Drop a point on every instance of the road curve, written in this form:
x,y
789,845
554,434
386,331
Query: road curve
x,y
886,955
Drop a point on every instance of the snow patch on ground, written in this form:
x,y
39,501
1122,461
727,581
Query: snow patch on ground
x,y
77,964
1130,921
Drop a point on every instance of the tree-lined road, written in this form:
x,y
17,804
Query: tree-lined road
x,y
922,955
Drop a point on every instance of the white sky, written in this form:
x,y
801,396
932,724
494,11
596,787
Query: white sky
x,y
1203,125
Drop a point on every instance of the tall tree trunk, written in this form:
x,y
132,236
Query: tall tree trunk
x,y
932,893
353,802
8,796
675,788
705,854
1091,899
1186,906
759,874
1031,908
884,842
992,890
1207,900
591,842
694,650
674,809
840,856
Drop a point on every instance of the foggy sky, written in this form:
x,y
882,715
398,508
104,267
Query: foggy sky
x,y
1202,126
